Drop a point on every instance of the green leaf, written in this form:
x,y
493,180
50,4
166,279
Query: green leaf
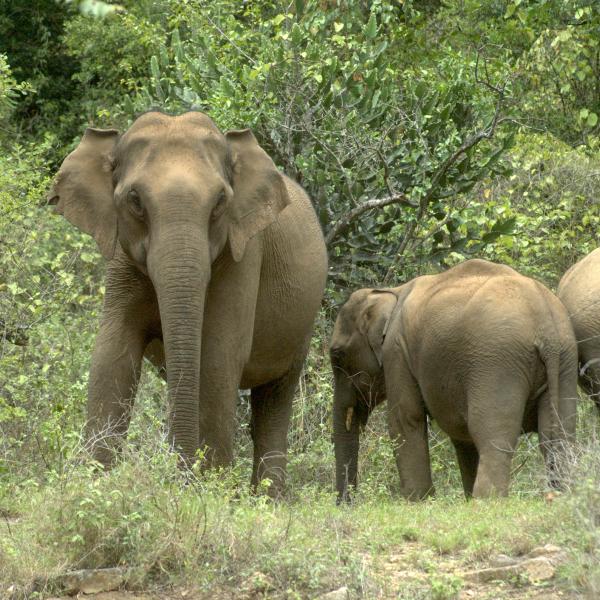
x,y
227,87
421,90
592,119
296,34
504,227
154,67
371,27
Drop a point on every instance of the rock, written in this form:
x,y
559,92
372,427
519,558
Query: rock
x,y
540,568
258,583
121,596
93,581
490,574
546,550
502,560
341,594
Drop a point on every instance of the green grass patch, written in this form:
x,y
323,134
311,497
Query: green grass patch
x,y
209,533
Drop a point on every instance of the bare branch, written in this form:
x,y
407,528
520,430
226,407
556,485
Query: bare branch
x,y
346,220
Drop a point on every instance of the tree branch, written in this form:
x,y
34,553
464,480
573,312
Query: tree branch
x,y
345,220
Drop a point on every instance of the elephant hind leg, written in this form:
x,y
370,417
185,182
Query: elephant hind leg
x,y
271,411
590,381
468,461
495,420
557,424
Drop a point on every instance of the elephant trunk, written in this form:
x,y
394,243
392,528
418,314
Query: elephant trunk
x,y
180,272
347,419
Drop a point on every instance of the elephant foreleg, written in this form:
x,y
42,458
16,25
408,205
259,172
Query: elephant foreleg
x,y
114,375
468,460
271,411
128,314
218,398
407,423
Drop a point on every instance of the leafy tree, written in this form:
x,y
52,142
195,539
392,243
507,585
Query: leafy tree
x,y
30,37
383,146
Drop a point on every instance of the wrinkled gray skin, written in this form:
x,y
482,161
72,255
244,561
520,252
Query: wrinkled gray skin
x,y
217,269
484,351
579,290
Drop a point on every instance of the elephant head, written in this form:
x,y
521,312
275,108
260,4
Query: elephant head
x,y
357,356
175,194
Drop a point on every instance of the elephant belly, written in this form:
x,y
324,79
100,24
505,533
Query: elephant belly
x,y
447,406
457,394
292,281
265,367
282,330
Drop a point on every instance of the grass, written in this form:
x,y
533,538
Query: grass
x,y
210,534
206,534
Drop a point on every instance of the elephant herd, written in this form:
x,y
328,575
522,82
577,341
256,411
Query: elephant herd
x,y
217,268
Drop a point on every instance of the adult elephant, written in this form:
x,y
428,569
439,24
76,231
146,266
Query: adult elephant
x,y
217,267
579,290
484,351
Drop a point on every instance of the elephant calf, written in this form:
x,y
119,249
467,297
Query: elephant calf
x,y
579,291
483,350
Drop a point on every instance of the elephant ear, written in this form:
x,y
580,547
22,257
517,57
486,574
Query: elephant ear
x,y
83,189
259,190
376,318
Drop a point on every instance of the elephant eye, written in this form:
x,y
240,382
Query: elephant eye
x,y
219,206
135,204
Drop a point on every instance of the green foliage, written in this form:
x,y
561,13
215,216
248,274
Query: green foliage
x,y
562,68
49,280
552,199
331,98
113,57
148,515
553,47
10,91
584,569
445,587
30,36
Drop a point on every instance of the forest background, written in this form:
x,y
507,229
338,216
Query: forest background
x,y
426,132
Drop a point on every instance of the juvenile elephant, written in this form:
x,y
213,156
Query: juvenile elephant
x,y
484,351
579,290
217,268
